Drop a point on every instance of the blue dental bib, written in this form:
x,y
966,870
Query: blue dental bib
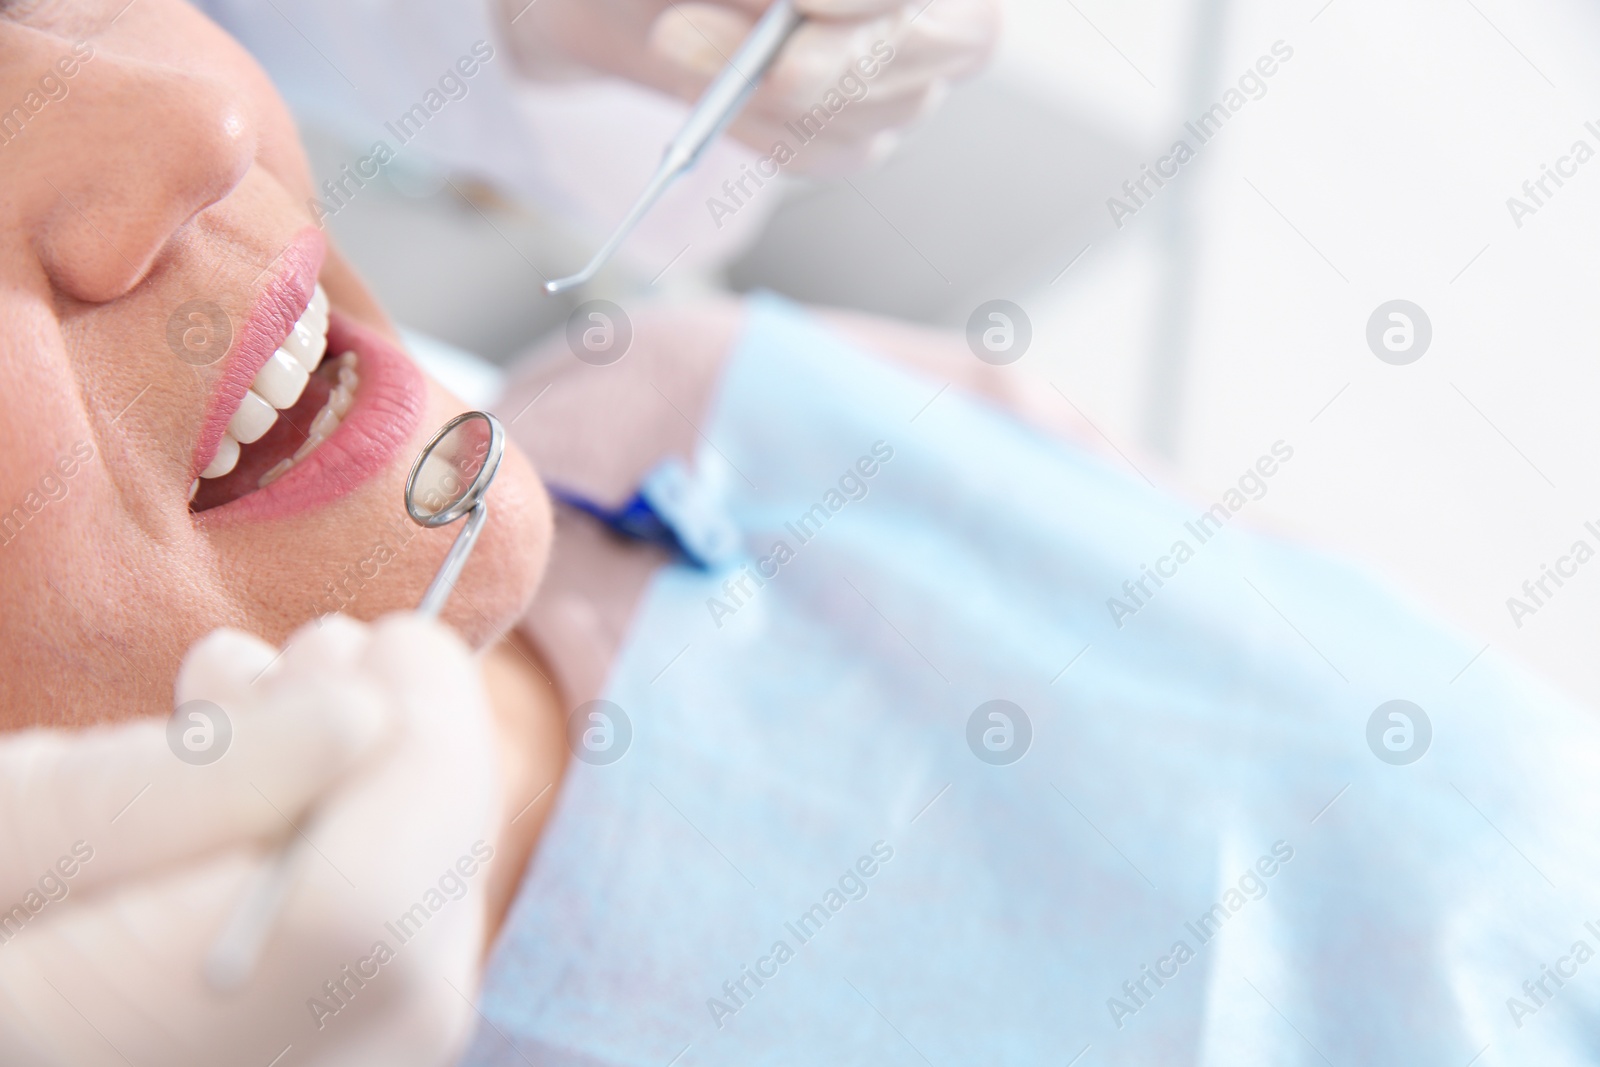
x,y
936,772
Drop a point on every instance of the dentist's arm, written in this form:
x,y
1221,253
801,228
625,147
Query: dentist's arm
x,y
123,851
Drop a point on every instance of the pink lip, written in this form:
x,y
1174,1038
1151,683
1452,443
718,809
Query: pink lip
x,y
388,406
279,307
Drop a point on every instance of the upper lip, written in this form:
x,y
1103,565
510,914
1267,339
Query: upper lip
x,y
277,308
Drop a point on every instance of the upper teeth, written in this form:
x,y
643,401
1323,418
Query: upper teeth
x,y
277,385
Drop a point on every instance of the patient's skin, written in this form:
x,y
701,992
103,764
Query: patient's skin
x,y
164,169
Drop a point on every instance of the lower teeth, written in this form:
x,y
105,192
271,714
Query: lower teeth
x,y
325,423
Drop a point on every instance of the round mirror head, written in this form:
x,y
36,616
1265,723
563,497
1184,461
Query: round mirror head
x,y
454,469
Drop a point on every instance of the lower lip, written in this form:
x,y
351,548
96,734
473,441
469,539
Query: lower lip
x,y
388,405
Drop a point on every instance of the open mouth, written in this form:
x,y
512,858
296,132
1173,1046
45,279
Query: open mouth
x,y
293,405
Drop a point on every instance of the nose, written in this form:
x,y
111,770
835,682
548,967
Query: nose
x,y
99,205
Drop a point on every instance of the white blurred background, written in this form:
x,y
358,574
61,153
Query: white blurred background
x,y
1227,315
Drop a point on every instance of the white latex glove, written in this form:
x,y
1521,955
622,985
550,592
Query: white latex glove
x,y
374,741
677,47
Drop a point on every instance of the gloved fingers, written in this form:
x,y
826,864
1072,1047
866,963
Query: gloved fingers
x,y
948,39
850,9
825,9
824,157
839,119
823,143
409,841
697,39
438,783
399,856
423,662
885,56
820,54
132,962
864,81
103,805
223,667
330,645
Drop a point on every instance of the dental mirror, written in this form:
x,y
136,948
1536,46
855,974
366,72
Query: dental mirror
x,y
449,480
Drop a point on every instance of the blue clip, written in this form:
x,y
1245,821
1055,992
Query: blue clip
x,y
670,509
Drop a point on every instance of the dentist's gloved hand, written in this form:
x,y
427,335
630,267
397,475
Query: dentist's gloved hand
x,y
120,859
678,47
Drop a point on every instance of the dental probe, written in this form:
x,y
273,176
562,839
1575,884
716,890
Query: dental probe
x,y
717,107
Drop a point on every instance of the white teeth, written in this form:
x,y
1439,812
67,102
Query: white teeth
x,y
324,424
281,380
225,460
309,339
279,469
253,419
308,446
277,385
326,420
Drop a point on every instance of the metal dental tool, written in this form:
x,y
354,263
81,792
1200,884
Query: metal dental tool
x,y
717,107
449,479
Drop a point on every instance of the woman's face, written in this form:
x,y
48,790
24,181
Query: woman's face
x,y
156,249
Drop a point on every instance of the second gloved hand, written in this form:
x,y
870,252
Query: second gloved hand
x,y
872,66
370,746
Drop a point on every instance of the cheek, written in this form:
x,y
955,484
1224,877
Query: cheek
x,y
41,411
373,560
509,560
